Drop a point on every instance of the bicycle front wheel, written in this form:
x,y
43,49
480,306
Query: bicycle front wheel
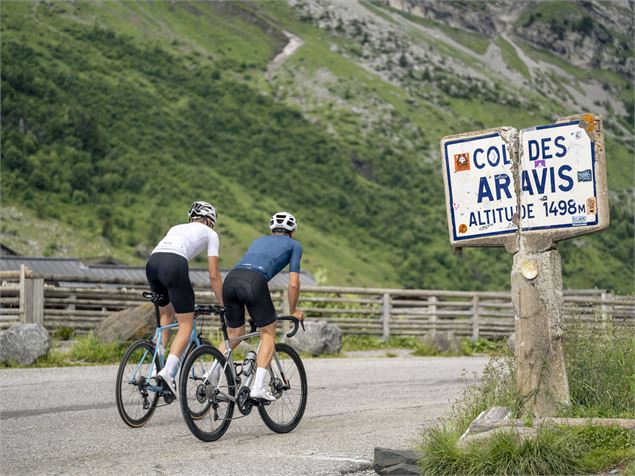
x,y
287,381
207,405
135,401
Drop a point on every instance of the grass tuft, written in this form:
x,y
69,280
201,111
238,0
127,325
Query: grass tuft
x,y
561,450
600,362
89,349
63,333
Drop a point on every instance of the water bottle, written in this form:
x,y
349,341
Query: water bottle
x,y
249,364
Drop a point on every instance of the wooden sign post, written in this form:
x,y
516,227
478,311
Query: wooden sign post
x,y
526,191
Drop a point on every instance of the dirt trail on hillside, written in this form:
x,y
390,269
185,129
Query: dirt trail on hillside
x,y
294,43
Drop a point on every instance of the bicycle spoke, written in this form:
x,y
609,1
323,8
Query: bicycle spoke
x,y
135,402
204,404
283,414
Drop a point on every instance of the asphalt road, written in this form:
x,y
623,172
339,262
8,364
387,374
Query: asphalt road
x,y
65,421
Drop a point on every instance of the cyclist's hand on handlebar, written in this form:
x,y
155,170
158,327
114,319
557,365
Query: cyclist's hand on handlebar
x,y
298,313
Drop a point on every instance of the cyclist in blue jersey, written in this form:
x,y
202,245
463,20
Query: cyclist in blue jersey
x,y
246,285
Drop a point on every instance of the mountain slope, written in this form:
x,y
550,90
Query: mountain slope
x,y
117,115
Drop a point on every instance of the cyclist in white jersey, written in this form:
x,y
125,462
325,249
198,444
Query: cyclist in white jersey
x,y
167,271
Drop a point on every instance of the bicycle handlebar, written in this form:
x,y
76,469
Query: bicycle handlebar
x,y
296,322
201,309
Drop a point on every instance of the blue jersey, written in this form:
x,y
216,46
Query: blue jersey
x,y
270,254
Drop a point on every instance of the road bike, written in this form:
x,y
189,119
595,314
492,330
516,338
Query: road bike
x,y
137,390
208,402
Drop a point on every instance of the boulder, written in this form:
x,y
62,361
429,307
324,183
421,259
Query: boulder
x,y
443,341
24,343
320,337
129,324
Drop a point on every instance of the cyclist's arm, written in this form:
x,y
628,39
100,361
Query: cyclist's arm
x,y
294,294
294,280
215,278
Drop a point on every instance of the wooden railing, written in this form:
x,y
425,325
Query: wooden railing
x,y
369,311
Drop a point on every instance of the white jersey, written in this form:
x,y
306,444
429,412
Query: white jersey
x,y
188,240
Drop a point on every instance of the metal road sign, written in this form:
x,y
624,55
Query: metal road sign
x,y
558,188
479,186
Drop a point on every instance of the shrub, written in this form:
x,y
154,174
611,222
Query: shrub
x,y
63,333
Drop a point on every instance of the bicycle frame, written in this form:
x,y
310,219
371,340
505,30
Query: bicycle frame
x,y
229,361
157,339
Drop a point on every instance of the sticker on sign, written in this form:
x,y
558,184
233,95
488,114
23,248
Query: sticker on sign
x,y
560,177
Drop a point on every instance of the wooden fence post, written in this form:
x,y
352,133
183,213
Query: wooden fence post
x,y
35,300
22,291
31,297
475,317
385,315
432,306
604,307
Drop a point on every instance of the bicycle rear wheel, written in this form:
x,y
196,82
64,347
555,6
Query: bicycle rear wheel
x,y
193,346
196,373
287,381
135,402
206,407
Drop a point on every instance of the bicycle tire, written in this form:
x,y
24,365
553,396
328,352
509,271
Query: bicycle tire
x,y
200,414
269,412
136,397
205,356
193,346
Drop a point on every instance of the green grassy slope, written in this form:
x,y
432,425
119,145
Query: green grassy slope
x,y
124,146
117,115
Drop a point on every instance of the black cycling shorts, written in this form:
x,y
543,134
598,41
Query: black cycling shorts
x,y
245,287
168,275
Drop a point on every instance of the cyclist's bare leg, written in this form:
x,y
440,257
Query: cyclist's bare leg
x,y
167,317
232,333
183,335
182,338
267,345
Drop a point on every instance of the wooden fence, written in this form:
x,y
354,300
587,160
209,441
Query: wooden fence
x,y
368,311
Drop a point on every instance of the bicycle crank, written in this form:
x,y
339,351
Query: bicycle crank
x,y
244,403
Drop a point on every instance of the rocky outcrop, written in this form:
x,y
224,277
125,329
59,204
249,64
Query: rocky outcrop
x,y
589,34
24,343
475,16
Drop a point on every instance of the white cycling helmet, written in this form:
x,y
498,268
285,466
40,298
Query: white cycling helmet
x,y
203,209
283,220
